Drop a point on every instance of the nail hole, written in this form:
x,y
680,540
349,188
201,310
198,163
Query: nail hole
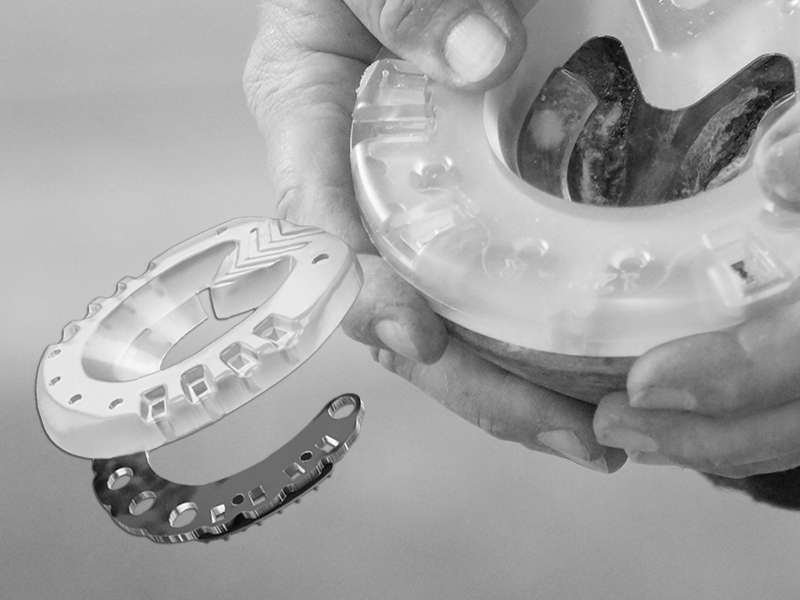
x,y
119,478
55,380
327,444
142,502
237,499
306,456
319,258
257,495
293,471
114,403
75,398
217,513
183,514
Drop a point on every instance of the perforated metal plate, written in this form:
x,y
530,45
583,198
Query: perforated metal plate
x,y
143,503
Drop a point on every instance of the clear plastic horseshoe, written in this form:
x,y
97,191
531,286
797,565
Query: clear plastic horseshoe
x,y
485,203
104,391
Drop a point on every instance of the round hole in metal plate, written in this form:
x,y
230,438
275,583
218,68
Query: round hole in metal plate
x,y
119,478
183,514
319,258
114,403
142,502
237,499
75,398
306,456
342,407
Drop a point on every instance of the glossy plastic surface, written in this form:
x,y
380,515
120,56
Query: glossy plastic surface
x,y
436,178
107,388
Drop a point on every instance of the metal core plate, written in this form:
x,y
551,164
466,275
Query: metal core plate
x,y
145,504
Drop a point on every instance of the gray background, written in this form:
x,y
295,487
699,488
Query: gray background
x,y
122,131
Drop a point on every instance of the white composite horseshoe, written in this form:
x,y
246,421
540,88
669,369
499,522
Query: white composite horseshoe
x,y
436,181
102,392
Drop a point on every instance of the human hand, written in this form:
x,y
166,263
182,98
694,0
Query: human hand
x,y
300,82
725,403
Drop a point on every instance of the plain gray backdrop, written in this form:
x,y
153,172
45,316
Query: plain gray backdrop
x,y
122,131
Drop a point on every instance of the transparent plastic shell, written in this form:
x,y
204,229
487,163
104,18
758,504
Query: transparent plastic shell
x,y
105,389
437,181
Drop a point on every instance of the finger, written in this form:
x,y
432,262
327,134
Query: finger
x,y
731,472
752,367
473,43
707,444
507,406
777,161
300,81
390,314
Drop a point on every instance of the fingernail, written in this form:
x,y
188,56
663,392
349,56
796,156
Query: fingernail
x,y
569,445
779,170
475,47
664,398
631,441
396,338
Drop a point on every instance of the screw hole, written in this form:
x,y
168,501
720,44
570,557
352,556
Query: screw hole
x,y
319,258
142,502
342,407
120,478
114,403
183,514
306,456
75,398
55,380
237,499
